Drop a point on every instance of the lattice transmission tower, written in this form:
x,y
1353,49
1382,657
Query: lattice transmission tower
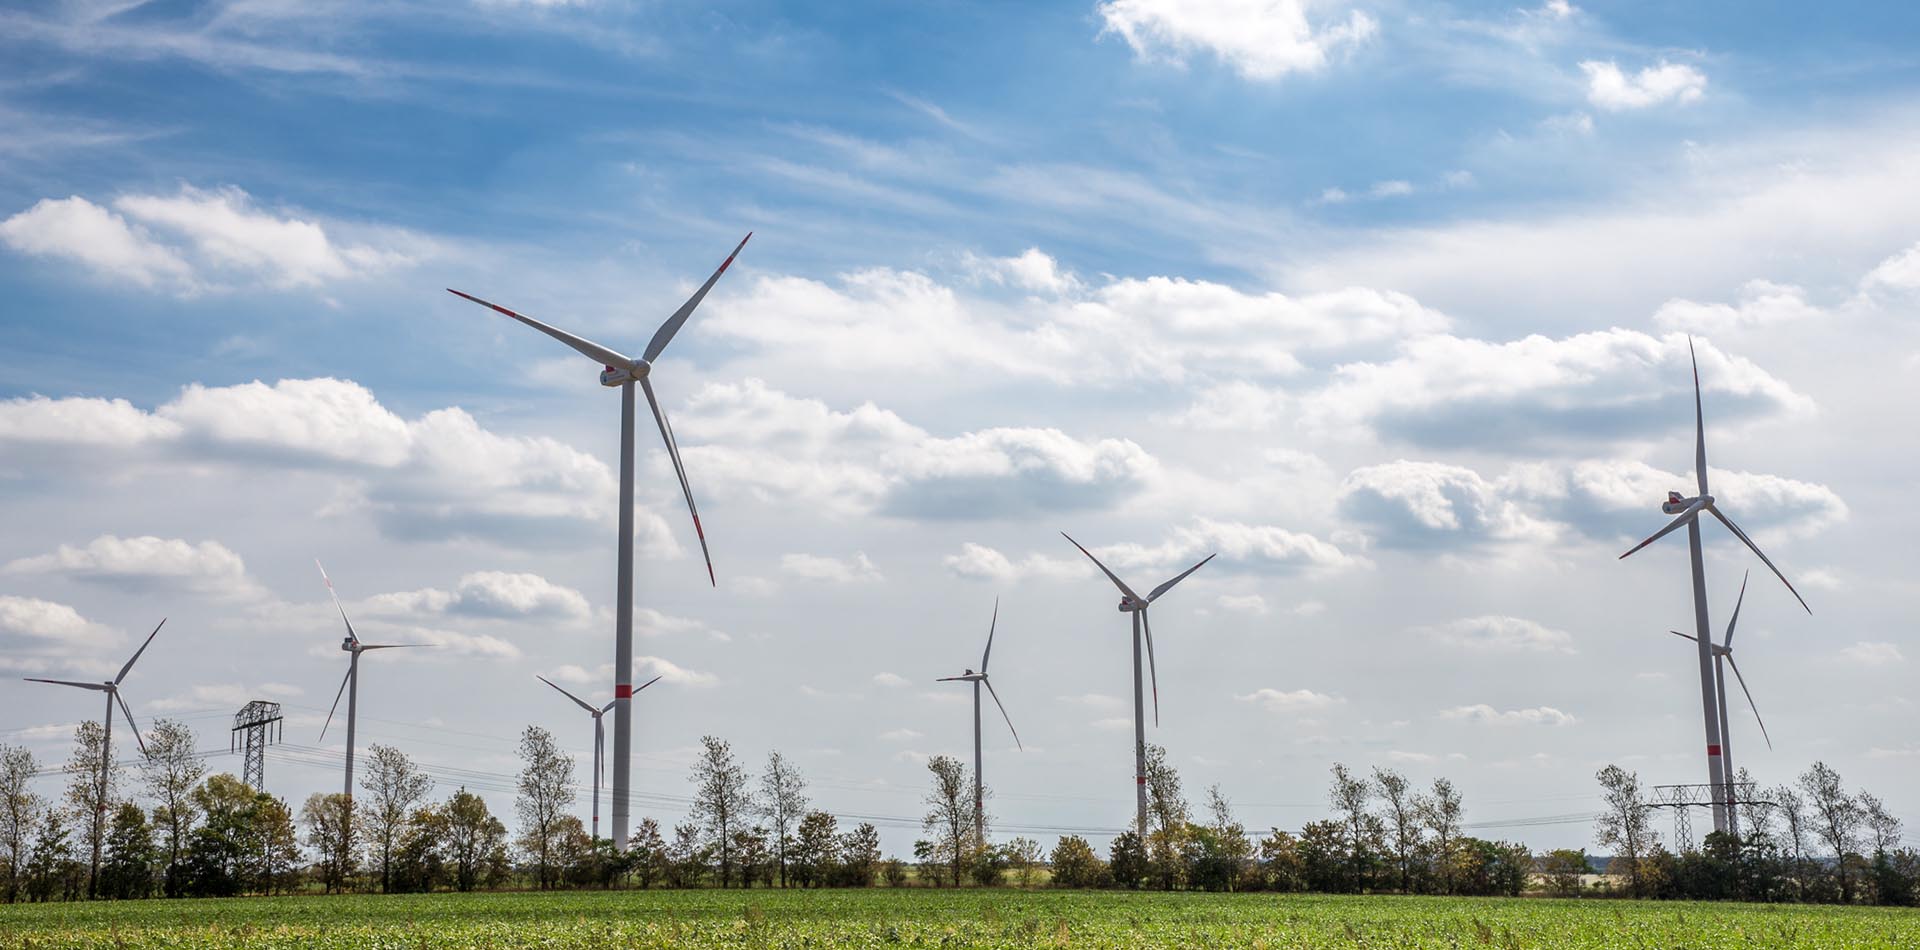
x,y
261,722
1684,798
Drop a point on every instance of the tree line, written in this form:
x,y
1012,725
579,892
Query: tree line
x,y
166,827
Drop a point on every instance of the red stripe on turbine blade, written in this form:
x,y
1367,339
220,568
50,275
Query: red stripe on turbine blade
x,y
623,691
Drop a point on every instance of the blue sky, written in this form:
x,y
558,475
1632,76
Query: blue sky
x,y
1387,302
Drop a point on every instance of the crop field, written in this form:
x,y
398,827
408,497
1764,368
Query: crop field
x,y
926,918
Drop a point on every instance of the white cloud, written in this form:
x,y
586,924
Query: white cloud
x,y
1293,701
223,696
1255,548
1333,196
456,643
1390,189
890,680
1237,405
494,594
1611,89
901,735
1534,716
647,667
979,562
80,421
1033,270
1498,634
207,567
1429,504
1259,39
1760,303
857,569
1900,272
192,241
1252,604
29,624
1873,653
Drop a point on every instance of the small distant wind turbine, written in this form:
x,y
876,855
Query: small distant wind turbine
x,y
112,689
623,371
1686,511
1136,605
599,740
978,680
351,684
1722,661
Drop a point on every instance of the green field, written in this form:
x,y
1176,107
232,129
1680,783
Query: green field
x,y
928,918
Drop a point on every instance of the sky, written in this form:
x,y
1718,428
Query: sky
x,y
1386,303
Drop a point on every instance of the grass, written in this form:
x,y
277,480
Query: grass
x,y
930,918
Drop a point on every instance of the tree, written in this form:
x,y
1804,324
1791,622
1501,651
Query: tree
x,y
1023,854
814,847
1403,821
473,837
1323,852
1836,821
546,791
1075,864
279,845
1440,813
333,837
1281,866
721,802
1794,833
1350,796
1167,818
895,871
1563,869
20,810
223,855
783,800
1127,860
686,857
418,861
127,871
1226,852
92,777
170,770
647,853
949,818
394,787
1625,825
52,868
859,855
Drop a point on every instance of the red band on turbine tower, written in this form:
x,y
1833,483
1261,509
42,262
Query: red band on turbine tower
x,y
1140,780
625,691
1713,750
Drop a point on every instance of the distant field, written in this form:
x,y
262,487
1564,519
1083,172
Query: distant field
x,y
929,918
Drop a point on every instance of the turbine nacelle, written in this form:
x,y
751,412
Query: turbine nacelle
x,y
614,376
1676,504
1129,605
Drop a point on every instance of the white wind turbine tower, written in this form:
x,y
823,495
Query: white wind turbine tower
x,y
112,689
599,739
1136,605
1686,511
350,685
1722,661
623,371
978,680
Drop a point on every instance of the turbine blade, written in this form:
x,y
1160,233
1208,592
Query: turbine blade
x,y
1736,608
128,713
576,700
1153,673
1003,715
672,326
952,679
336,701
1693,510
599,754
96,686
392,646
1684,636
1699,424
136,654
1117,582
584,347
995,622
336,601
648,683
1750,703
1163,588
673,451
1742,535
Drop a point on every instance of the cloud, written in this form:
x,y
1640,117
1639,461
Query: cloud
x,y
1239,405
1251,604
1873,653
1295,701
1032,270
80,421
456,643
901,735
1611,89
146,563
979,562
890,680
193,241
1498,634
647,667
1390,189
1483,713
1900,272
1250,548
1259,39
1426,505
1538,393
28,623
1760,303
814,567
1609,499
488,594
223,696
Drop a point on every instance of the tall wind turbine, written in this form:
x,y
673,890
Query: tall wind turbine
x,y
351,684
978,680
112,689
1132,603
599,739
623,371
1686,511
1722,661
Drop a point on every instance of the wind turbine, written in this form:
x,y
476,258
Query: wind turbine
x,y
112,689
599,740
978,680
1132,603
351,684
623,371
1722,661
1686,511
